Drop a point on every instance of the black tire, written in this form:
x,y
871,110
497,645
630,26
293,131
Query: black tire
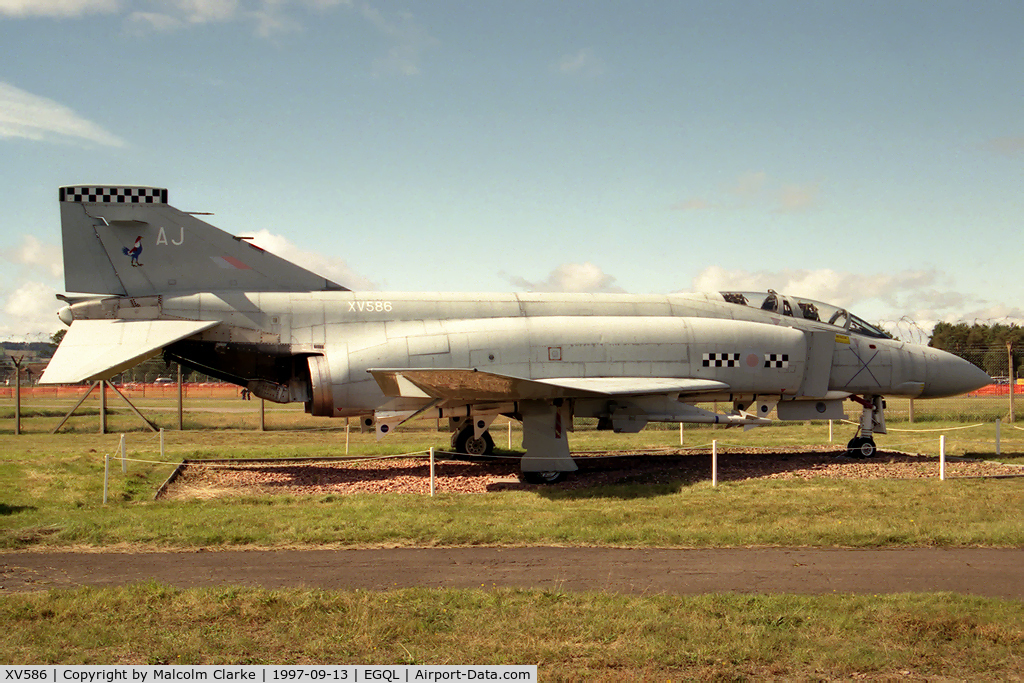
x,y
861,447
466,442
542,477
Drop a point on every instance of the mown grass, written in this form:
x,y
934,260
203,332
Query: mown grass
x,y
51,496
570,636
51,488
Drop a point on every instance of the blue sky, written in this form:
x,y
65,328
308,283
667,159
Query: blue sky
x,y
869,154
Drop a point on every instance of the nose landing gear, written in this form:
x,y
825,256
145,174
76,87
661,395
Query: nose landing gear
x,y
872,421
861,447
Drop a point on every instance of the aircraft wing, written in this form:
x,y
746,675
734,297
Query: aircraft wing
x,y
471,385
99,349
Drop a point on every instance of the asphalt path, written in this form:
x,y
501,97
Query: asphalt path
x,y
995,573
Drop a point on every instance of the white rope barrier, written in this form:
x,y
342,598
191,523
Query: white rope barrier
x,y
120,450
944,429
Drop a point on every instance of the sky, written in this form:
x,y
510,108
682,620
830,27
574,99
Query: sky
x,y
866,154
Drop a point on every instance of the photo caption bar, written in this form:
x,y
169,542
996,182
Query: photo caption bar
x,y
404,673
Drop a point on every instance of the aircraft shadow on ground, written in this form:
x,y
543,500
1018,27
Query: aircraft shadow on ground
x,y
620,476
15,509
648,476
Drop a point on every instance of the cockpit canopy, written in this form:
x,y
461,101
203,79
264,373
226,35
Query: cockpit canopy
x,y
807,309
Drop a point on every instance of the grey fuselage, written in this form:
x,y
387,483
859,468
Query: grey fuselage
x,y
275,338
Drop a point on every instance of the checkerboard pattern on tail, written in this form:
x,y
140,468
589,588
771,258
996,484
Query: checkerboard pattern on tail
x,y
114,195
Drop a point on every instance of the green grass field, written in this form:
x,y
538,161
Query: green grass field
x,y
51,497
570,636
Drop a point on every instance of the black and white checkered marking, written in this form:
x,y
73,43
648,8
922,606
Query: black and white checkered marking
x,y
776,360
114,195
721,360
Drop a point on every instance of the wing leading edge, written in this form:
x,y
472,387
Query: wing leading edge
x,y
99,349
457,384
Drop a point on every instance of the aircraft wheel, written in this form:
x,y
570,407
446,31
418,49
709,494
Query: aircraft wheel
x,y
861,447
542,477
466,442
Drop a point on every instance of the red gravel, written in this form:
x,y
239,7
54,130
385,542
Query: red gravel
x,y
413,475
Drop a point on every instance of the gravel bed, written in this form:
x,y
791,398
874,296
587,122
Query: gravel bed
x,y
413,475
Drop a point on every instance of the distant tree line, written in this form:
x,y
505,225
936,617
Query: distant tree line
x,y
983,345
33,348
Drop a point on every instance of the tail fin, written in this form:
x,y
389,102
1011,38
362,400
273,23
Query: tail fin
x,y
129,241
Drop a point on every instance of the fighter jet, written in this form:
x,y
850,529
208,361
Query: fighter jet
x,y
219,304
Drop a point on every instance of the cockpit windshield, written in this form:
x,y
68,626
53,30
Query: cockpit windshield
x,y
807,309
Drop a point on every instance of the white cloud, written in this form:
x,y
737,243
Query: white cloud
x,y
748,185
24,115
840,288
332,268
583,63
793,198
143,22
693,204
907,303
408,40
1008,146
757,190
206,11
36,255
268,16
56,8
27,291
30,311
569,277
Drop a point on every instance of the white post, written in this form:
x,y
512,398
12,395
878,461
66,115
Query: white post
x,y
17,395
942,457
681,434
161,443
714,463
124,462
830,431
346,435
106,475
431,471
510,434
103,406
999,423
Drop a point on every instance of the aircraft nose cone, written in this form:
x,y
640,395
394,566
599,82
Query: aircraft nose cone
x,y
949,375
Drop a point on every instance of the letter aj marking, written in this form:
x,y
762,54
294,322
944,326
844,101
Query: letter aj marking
x,y
161,237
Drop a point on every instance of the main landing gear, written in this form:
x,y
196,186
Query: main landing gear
x,y
872,421
545,426
542,477
466,441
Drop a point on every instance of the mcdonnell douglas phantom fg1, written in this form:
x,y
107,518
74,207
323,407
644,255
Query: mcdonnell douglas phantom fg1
x,y
161,280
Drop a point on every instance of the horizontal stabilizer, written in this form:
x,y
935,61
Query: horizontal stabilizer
x,y
99,349
471,385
